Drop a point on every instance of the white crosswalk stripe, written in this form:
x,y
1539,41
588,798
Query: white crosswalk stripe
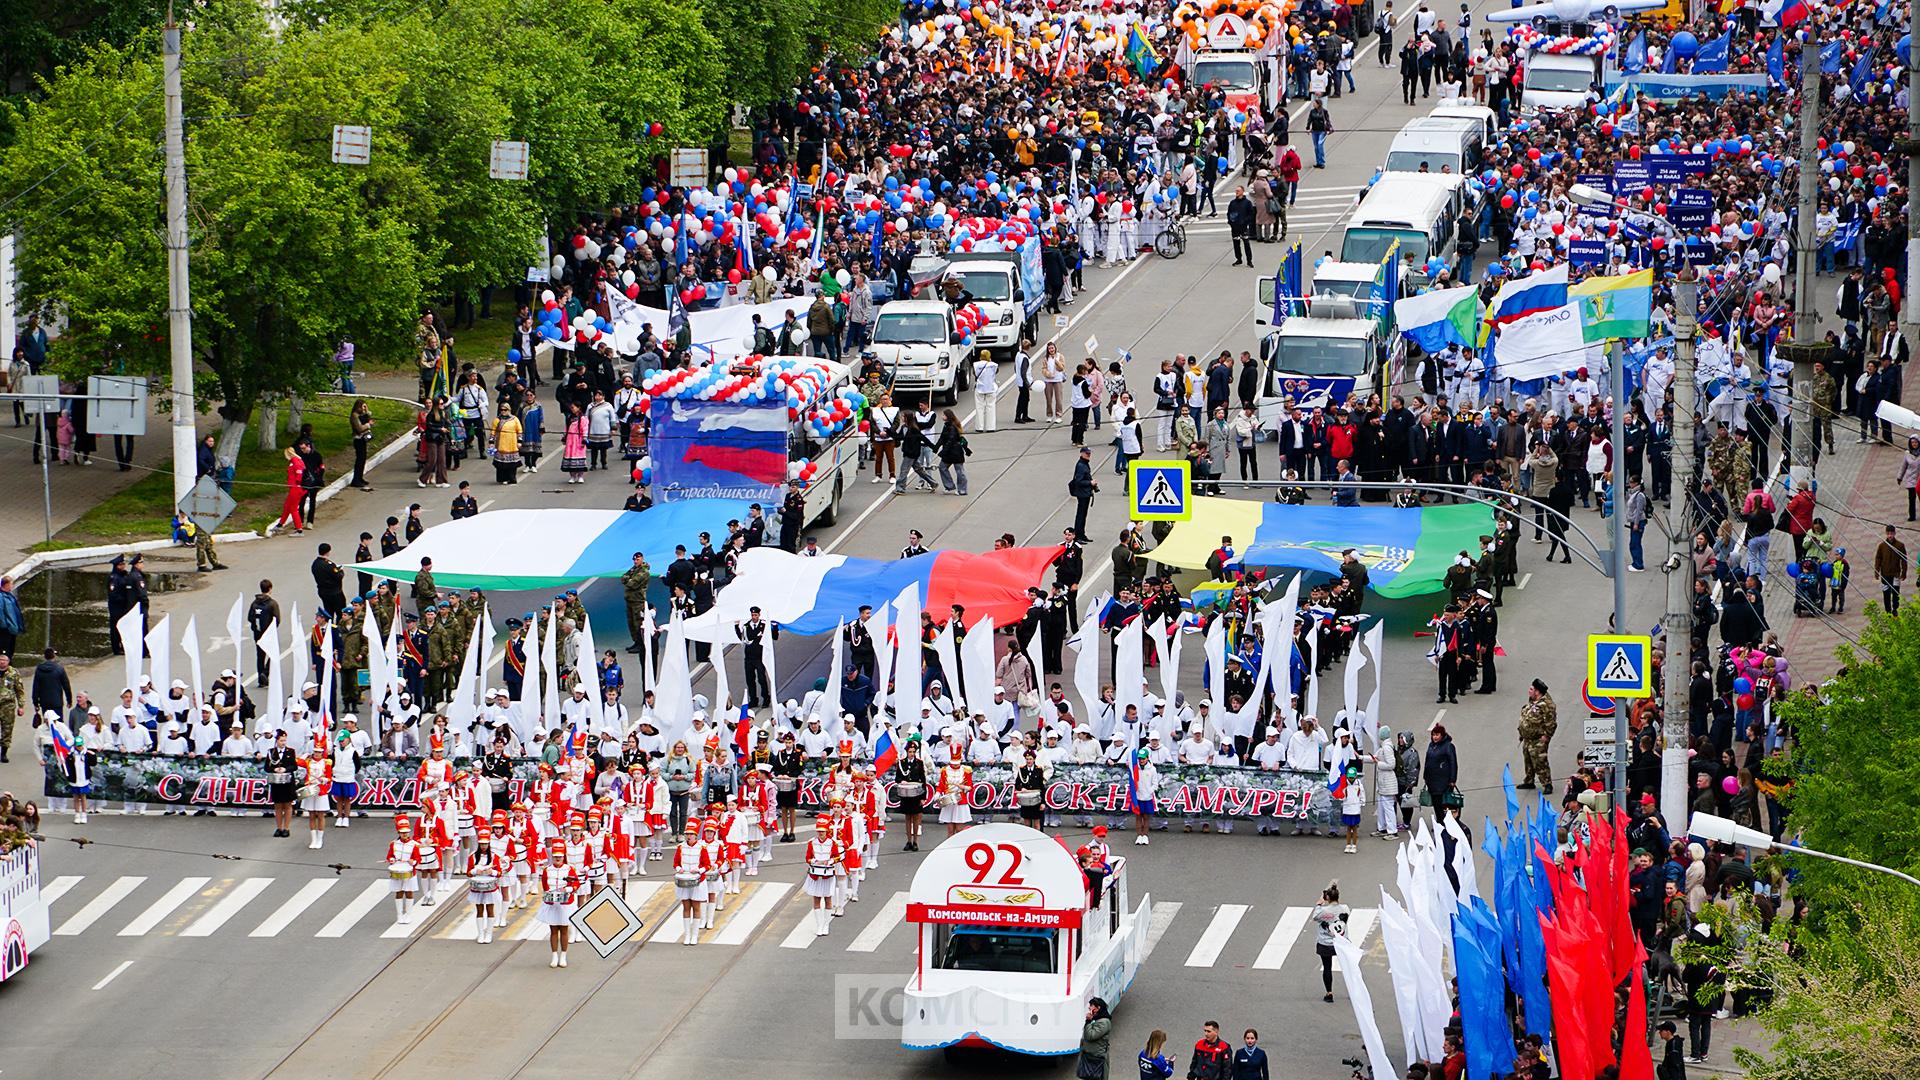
x,y
163,907
1361,924
875,932
227,907
757,907
59,887
802,935
1163,913
294,907
1212,942
421,916
1285,933
98,906
356,909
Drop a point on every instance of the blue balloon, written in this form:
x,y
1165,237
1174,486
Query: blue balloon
x,y
550,332
601,325
1224,165
1826,569
647,194
1904,47
629,241
1744,685
1793,569
513,356
1684,45
893,183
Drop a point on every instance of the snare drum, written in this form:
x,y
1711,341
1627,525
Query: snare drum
x,y
481,889
280,776
1027,797
686,879
400,871
785,783
909,789
556,896
820,869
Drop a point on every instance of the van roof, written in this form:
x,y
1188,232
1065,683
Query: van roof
x,y
913,307
1400,199
1358,329
1334,270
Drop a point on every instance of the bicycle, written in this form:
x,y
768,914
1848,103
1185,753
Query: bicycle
x,y
1172,242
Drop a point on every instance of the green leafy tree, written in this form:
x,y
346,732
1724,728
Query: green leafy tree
x,y
38,37
770,44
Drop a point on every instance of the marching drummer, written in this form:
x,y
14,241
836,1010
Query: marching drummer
x,y
486,868
689,882
1029,791
316,790
910,787
633,815
525,850
558,883
850,831
599,847
733,837
871,802
756,802
954,792
712,894
403,858
822,858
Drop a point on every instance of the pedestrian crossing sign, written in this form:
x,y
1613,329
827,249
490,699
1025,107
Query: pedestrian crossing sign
x,y
1620,665
1159,491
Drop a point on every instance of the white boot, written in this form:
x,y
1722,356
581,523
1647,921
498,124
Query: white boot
x,y
553,959
563,958
319,839
399,911
820,922
480,928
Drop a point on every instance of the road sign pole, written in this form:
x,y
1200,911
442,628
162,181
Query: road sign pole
x,y
1616,377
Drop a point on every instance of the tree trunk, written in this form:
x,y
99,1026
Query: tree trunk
x,y
269,426
226,450
296,414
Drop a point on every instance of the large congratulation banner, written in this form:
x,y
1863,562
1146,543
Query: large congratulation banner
x,y
218,783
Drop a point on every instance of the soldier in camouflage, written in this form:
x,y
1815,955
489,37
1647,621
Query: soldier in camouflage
x,y
1538,719
635,582
1730,462
13,703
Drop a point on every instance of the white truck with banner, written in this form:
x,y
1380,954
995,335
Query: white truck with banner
x,y
1010,288
1013,939
1249,68
24,922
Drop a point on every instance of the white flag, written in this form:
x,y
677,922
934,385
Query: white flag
x,y
1130,678
907,665
160,665
1348,955
550,684
301,669
1371,721
275,711
836,671
877,624
1168,642
976,664
190,644
673,697
1086,674
237,629
949,656
134,641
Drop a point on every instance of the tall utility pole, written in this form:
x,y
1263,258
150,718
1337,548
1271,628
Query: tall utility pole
x,y
1617,564
1675,703
179,300
1910,315
1806,348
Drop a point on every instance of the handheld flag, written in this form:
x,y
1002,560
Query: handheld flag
x,y
1636,57
1433,320
1140,53
1139,799
62,743
743,733
1712,56
885,754
1777,61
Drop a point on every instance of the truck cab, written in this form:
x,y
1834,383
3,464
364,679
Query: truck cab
x,y
920,344
1319,359
1557,81
1227,57
1009,287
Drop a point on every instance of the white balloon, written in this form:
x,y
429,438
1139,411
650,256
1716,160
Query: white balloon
x,y
731,174
900,224
546,296
842,277
626,277
559,265
770,274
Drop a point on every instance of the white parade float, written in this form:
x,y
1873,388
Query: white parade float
x,y
24,924
1011,946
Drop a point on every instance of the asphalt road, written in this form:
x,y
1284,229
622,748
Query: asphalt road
x,y
203,947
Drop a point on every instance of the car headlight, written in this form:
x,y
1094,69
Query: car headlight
x,y
1006,318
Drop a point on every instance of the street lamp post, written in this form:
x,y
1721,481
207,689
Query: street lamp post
x,y
1723,831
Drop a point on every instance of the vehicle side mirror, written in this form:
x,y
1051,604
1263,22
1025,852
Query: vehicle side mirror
x,y
953,337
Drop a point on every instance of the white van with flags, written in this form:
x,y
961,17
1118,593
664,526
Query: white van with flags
x,y
24,922
1012,941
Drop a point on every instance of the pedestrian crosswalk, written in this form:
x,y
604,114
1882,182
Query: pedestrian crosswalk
x,y
1207,935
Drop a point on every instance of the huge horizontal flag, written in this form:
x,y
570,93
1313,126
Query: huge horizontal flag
x,y
1433,320
1406,551
545,549
812,594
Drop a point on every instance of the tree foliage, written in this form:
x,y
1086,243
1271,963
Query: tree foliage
x,y
291,253
1856,759
38,37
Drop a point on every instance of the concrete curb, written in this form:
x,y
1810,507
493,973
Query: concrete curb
x,y
39,561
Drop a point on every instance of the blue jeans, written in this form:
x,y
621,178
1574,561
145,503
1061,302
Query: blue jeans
x,y
1346,74
1757,555
1465,277
1320,149
1633,547
1826,258
1293,191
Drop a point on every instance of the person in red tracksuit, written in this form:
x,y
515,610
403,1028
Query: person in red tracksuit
x,y
1212,1055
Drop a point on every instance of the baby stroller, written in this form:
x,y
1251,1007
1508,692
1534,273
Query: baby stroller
x,y
1807,589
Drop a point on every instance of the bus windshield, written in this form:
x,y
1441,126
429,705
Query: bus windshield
x,y
1322,356
907,328
1411,160
1026,951
1229,74
1368,245
985,284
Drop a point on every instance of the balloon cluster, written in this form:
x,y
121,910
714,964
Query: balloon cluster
x,y
755,379
836,414
969,319
1530,39
553,326
990,234
1265,20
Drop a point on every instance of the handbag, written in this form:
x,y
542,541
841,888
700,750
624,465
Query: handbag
x,y
1275,207
1091,1068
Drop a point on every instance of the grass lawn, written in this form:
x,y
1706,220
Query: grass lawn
x,y
144,509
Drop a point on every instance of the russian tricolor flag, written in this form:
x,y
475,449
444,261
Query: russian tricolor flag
x,y
1791,13
1139,800
1337,780
1543,291
62,743
884,752
743,733
812,594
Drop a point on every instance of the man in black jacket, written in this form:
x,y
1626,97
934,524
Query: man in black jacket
x,y
1240,223
51,689
1082,488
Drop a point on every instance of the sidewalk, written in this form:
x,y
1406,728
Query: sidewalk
x,y
1857,500
78,488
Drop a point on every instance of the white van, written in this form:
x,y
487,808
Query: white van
x,y
1439,144
1557,80
1416,209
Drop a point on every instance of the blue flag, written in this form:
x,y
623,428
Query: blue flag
x,y
1513,795
1712,56
1777,61
875,255
1483,1015
1832,56
1636,59
1862,71
1386,289
1670,62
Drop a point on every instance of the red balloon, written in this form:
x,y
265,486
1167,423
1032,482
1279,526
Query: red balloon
x,y
1647,192
1858,171
1519,171
633,292
1559,230
1657,243
887,228
1506,202
1533,153
1634,151
1744,701
551,304
655,128
733,277
579,241
1606,129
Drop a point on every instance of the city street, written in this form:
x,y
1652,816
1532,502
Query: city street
x,y
292,964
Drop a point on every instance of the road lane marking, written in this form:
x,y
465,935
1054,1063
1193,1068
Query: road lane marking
x,y
229,906
1226,918
665,919
294,908
164,906
1438,715
59,887
99,906
356,909
1524,578
442,898
759,903
875,932
1360,924
1280,942
1163,914
802,935
114,974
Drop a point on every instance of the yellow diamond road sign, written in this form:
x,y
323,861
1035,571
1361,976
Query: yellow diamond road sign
x,y
605,922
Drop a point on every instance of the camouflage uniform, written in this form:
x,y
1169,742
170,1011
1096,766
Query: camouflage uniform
x,y
1825,393
1731,463
439,661
1538,719
635,582
13,699
350,633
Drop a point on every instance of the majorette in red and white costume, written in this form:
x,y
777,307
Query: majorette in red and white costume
x,y
821,856
436,770
508,843
633,821
463,812
403,864
954,792
734,838
559,893
487,868
316,774
691,861
761,799
866,798
716,868
850,832
442,829
599,846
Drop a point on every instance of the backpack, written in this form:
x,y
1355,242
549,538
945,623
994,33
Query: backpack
x,y
260,614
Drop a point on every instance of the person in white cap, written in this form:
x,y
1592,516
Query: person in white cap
x,y
985,749
298,725
177,700
1386,785
129,738
79,776
346,770
205,733
236,744
1004,714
